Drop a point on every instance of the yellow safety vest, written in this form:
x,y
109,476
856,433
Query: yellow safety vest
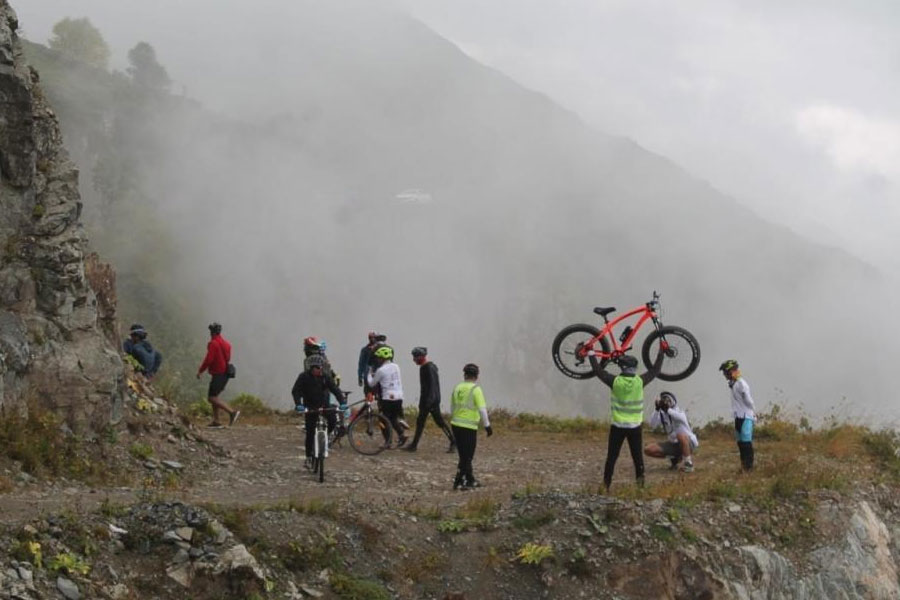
x,y
465,402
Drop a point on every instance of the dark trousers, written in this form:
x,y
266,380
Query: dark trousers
x,y
312,418
435,411
465,447
393,410
617,435
745,448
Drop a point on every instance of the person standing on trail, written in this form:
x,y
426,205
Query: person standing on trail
x,y
218,358
386,377
627,408
429,398
681,442
312,391
468,409
138,347
742,406
365,354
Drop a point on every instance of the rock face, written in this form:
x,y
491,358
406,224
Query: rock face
x,y
57,304
861,567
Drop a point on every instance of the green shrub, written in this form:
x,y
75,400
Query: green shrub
x,y
349,587
200,408
69,564
534,554
884,446
140,450
250,405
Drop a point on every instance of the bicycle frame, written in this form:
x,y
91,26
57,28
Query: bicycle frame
x,y
648,312
322,427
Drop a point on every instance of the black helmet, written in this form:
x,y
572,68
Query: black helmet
x,y
420,351
471,370
316,360
728,365
215,328
138,331
628,364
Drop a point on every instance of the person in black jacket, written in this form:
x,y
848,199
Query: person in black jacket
x,y
310,392
429,399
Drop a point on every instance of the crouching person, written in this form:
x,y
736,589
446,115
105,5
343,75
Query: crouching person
x,y
681,441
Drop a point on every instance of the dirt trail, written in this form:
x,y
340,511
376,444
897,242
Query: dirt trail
x,y
264,466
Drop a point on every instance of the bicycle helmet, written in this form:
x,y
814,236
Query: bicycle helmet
x,y
316,360
628,364
323,345
419,351
215,328
380,337
669,397
471,370
385,352
728,365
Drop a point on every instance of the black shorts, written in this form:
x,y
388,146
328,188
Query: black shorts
x,y
217,383
671,449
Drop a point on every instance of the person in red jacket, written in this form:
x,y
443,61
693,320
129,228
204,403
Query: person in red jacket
x,y
218,356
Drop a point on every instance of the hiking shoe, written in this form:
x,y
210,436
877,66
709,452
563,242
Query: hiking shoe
x,y
234,417
401,441
688,467
457,482
673,462
410,448
215,425
471,485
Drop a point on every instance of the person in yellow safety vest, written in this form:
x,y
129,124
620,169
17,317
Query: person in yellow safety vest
x,y
468,409
627,408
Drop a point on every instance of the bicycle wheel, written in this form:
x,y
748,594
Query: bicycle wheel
x,y
568,342
682,357
370,433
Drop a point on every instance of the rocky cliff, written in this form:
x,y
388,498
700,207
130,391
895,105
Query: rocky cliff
x,y
57,302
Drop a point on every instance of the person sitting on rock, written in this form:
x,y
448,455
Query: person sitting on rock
x,y
681,439
138,347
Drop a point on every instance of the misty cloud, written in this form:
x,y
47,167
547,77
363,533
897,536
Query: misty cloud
x,y
854,141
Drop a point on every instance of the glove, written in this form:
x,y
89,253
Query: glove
x,y
490,430
300,409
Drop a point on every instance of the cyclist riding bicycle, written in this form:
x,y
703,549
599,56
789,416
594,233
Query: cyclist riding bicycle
x,y
310,392
386,376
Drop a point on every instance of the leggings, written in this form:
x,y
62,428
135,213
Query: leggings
x,y
393,410
435,411
465,446
743,432
617,435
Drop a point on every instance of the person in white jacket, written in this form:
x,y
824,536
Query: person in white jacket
x,y
681,440
744,410
386,378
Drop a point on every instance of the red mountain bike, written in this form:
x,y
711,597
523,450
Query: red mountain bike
x,y
579,351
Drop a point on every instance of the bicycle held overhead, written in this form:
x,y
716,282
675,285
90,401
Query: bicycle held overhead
x,y
581,350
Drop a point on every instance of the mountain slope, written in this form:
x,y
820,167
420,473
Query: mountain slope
x,y
285,223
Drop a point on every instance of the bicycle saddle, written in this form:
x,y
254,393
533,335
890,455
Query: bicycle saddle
x,y
604,311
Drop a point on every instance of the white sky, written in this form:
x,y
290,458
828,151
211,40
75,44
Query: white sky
x,y
791,107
